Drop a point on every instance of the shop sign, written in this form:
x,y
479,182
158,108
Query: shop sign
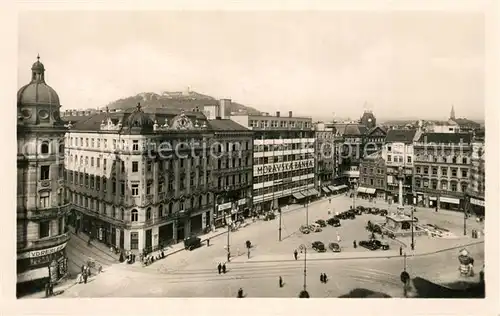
x,y
477,202
224,206
42,252
46,259
284,166
242,202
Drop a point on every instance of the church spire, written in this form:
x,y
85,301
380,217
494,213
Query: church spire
x,y
452,113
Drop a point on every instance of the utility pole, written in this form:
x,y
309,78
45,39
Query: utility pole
x,y
279,210
307,210
354,197
465,216
412,236
304,249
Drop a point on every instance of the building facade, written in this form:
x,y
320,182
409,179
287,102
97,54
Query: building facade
x,y
477,189
350,139
442,169
326,162
41,205
372,176
283,159
374,140
399,160
140,179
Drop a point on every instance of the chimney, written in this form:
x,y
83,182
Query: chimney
x,y
289,113
277,113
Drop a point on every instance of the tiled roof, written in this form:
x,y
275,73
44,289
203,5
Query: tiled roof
x,y
445,138
226,125
351,129
400,135
466,122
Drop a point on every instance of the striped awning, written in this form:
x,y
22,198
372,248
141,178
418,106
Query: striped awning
x,y
332,188
314,192
298,195
370,190
361,190
340,187
325,189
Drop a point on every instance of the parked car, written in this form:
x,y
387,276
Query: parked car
x,y
350,214
192,242
334,247
318,246
315,228
369,244
304,229
334,221
375,211
321,222
384,212
380,244
357,211
269,216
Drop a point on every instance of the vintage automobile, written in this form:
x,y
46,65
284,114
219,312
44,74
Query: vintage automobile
x,y
383,212
334,221
334,247
315,228
369,244
304,229
192,242
381,244
375,211
318,246
321,222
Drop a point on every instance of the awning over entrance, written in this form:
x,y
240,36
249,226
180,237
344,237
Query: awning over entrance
x,y
477,202
370,190
332,188
432,198
449,200
298,196
313,192
361,190
340,187
325,189
306,193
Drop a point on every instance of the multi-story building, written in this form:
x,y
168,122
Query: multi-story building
x,y
442,169
477,183
374,140
284,159
372,176
398,156
41,205
140,178
231,164
325,157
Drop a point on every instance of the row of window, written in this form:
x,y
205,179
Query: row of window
x,y
231,180
372,170
166,210
370,181
282,187
96,143
442,185
45,148
282,147
442,159
281,123
398,159
444,171
282,158
223,163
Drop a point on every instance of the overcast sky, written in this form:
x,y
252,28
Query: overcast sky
x,y
409,64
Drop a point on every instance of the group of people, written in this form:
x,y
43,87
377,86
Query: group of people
x,y
147,260
85,274
475,234
49,289
221,268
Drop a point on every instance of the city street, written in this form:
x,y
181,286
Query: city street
x,y
194,273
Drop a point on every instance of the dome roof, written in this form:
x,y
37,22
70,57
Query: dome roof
x,y
37,92
139,119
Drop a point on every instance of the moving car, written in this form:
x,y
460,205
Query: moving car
x,y
334,247
192,242
357,211
318,246
334,221
321,222
304,229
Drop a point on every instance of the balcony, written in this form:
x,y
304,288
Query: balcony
x,y
48,213
50,241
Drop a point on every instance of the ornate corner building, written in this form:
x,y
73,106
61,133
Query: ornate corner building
x,y
41,204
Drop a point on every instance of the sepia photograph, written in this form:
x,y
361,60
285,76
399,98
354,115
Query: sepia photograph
x,y
251,154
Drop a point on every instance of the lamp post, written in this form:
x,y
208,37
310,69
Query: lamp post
x,y
412,234
354,196
304,292
307,211
465,214
279,230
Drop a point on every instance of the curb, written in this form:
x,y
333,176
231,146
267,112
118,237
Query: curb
x,y
374,257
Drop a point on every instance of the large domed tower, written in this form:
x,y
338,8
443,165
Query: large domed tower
x,y
41,204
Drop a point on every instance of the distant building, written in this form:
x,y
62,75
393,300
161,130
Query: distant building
x,y
445,127
368,120
372,176
284,159
464,125
326,163
442,169
42,205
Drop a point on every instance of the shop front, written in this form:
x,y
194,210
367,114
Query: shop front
x,y
449,203
165,234
196,224
219,216
477,206
35,268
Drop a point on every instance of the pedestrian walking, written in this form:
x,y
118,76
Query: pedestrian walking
x,y
325,278
330,200
85,276
295,254
354,244
248,253
321,278
83,268
100,269
400,250
240,293
89,272
51,289
208,242
338,237
281,281
162,254
228,257
219,267
224,268
47,290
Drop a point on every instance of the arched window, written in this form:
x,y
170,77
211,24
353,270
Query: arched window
x,y
170,208
192,203
200,200
181,206
134,216
464,186
148,214
122,215
454,159
61,148
44,148
160,210
113,211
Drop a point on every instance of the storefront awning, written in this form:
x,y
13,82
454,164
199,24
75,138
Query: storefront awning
x,y
298,196
332,188
341,187
325,189
361,190
313,192
432,198
370,191
477,202
449,200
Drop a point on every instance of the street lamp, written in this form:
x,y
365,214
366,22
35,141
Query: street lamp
x,y
412,234
304,293
465,213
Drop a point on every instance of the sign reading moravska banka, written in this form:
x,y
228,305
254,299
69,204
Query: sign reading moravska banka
x,y
283,166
